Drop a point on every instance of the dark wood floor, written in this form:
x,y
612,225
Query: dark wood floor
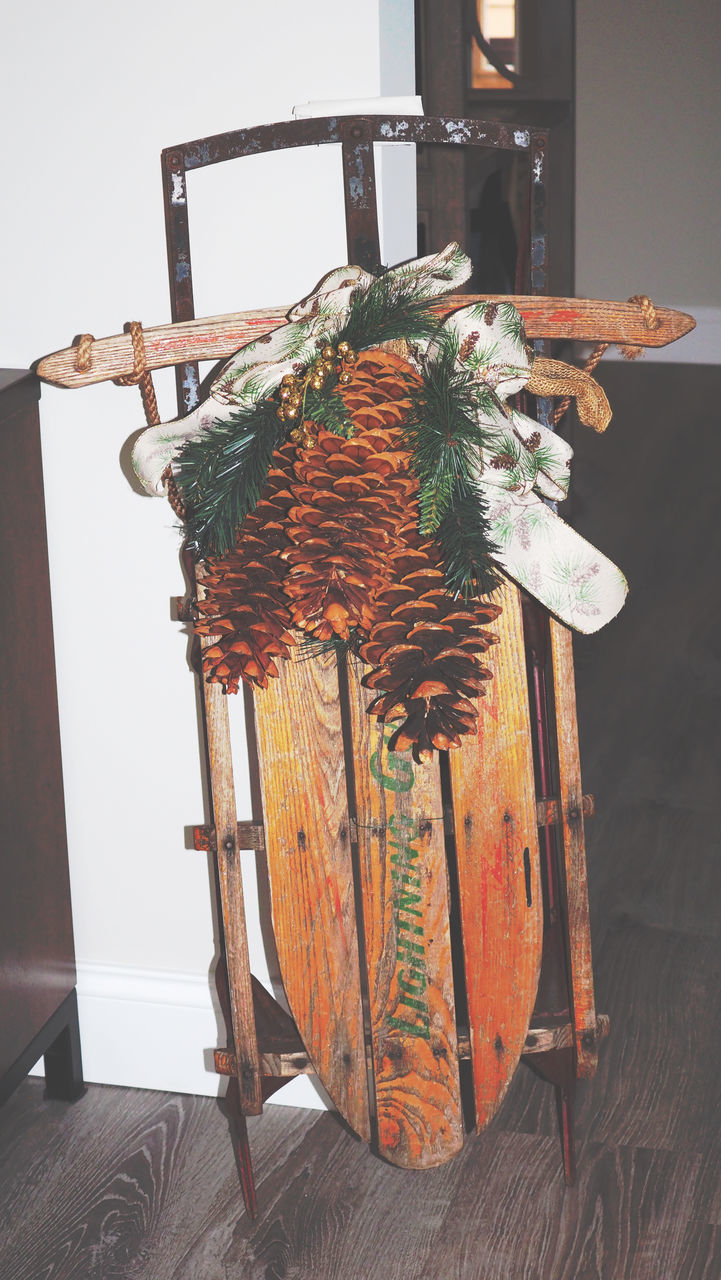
x,y
127,1184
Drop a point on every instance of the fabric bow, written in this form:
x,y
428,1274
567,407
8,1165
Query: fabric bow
x,y
522,467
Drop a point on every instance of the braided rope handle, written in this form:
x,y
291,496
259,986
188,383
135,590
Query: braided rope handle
x,y
142,378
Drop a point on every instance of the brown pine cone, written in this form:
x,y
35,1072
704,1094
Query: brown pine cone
x,y
244,604
351,497
424,649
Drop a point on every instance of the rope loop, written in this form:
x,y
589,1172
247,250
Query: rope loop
x,y
140,376
83,349
651,320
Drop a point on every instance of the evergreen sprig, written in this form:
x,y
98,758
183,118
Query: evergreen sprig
x,y
327,409
444,439
465,542
222,474
388,310
311,648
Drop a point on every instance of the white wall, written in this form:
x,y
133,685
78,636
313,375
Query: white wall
x,y
648,158
92,94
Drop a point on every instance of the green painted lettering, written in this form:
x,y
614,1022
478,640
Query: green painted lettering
x,y
411,1028
412,988
405,901
413,881
414,948
405,924
401,776
414,1004
407,854
399,820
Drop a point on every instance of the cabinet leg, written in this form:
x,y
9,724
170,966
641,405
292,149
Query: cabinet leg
x,y
63,1062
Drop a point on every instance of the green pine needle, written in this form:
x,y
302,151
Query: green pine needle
x,y
435,498
311,648
444,438
441,430
327,409
222,474
464,539
387,311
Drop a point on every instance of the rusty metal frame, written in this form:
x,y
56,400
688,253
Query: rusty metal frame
x,y
356,136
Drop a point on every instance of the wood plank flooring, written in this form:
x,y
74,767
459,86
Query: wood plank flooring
x,y
129,1185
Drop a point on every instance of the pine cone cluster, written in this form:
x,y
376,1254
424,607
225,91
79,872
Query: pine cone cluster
x,y
333,549
350,500
244,603
424,648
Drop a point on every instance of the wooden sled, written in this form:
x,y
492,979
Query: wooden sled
x,y
424,916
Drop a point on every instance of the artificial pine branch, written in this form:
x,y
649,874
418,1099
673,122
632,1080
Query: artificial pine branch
x,y
444,438
309,647
326,409
387,311
442,432
466,546
222,474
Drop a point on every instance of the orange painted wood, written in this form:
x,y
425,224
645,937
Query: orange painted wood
x,y
578,319
308,849
495,820
574,851
407,945
231,890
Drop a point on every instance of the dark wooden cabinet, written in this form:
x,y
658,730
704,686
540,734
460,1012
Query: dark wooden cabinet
x,y
38,1006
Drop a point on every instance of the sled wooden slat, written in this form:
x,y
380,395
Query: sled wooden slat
x,y
583,1013
213,337
231,890
407,945
308,850
495,822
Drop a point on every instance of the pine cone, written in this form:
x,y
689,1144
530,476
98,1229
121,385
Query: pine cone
x,y
350,498
424,649
244,604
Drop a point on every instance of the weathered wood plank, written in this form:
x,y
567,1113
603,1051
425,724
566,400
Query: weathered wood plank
x,y
288,1062
308,849
225,821
407,945
495,821
578,319
574,851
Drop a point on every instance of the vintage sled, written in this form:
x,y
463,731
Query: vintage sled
x,y
425,916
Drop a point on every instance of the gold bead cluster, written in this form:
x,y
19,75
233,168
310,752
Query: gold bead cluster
x,y
294,387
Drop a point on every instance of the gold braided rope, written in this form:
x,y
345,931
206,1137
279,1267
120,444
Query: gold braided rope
x,y
142,378
141,375
555,378
629,352
83,348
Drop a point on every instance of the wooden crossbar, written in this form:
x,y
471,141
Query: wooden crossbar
x,y
539,1039
251,835
215,337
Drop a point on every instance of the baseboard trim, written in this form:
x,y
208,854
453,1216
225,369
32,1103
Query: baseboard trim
x,y
157,1029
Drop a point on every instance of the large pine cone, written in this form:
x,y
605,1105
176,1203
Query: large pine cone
x,y
424,648
351,497
244,604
